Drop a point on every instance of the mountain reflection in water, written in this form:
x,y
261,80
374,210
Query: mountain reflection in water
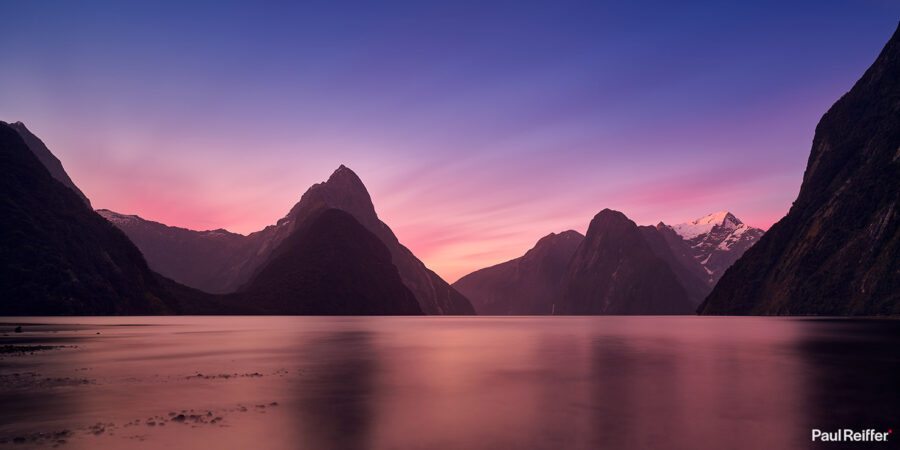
x,y
444,382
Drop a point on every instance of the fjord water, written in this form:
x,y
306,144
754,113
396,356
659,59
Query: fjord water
x,y
445,382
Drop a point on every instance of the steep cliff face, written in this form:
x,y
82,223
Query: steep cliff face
x,y
48,159
530,284
614,271
837,252
57,257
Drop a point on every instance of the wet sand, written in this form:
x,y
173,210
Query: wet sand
x,y
441,382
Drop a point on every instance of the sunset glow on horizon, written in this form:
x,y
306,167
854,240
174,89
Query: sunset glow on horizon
x,y
473,140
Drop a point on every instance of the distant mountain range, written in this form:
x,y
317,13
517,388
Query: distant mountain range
x,y
530,284
837,252
207,260
57,256
619,268
218,261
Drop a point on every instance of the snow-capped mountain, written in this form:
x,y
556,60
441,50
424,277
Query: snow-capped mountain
x,y
715,241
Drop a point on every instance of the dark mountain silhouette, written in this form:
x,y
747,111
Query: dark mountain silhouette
x,y
48,159
206,260
615,271
57,257
530,284
331,265
227,267
345,191
675,251
536,282
837,252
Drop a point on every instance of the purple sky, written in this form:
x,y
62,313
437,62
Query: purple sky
x,y
477,128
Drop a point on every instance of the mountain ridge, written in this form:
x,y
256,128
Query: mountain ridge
x,y
614,271
533,284
837,250
47,158
529,284
716,241
200,264
57,257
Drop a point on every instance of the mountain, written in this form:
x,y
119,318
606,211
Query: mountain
x,y
57,257
837,251
218,261
345,191
206,260
677,254
695,253
615,271
530,284
48,159
331,265
715,241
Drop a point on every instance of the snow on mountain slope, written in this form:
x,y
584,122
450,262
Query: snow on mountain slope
x,y
716,241
703,225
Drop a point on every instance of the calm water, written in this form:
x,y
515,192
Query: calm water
x,y
448,383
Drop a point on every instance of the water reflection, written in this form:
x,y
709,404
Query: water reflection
x,y
336,392
852,380
474,383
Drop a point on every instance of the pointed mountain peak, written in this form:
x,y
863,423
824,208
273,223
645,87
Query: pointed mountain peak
x,y
343,172
717,218
705,224
343,190
346,180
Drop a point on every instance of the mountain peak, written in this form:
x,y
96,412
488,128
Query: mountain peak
x,y
610,218
717,218
343,172
610,214
705,224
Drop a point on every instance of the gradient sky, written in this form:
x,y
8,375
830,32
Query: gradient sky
x,y
478,127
